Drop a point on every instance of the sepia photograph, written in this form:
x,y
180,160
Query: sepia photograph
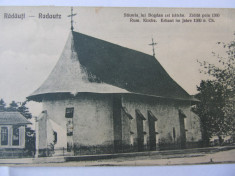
x,y
116,86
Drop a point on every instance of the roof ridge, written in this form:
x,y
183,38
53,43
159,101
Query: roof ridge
x,y
113,43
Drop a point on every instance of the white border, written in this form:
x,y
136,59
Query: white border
x,y
192,170
124,3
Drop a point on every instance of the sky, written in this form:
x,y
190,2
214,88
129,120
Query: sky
x,y
30,48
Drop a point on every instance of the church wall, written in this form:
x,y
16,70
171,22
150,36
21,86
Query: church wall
x,y
92,120
44,136
167,114
164,111
56,112
93,124
42,133
193,130
127,136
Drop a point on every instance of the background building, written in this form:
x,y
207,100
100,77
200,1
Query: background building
x,y
12,125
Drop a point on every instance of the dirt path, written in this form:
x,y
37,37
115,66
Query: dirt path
x,y
199,158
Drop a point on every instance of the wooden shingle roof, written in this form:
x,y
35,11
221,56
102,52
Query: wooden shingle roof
x,y
88,64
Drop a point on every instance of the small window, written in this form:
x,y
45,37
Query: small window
x,y
185,122
132,139
15,137
4,136
145,139
69,112
174,133
55,137
144,126
155,125
157,138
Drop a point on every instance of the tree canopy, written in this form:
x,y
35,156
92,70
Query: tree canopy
x,y
24,110
13,106
217,95
2,105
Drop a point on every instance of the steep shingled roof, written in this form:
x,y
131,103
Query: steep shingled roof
x,y
12,118
88,64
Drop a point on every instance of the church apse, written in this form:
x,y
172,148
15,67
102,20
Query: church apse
x,y
92,124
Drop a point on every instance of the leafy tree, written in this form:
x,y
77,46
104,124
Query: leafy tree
x,y
216,107
24,110
210,109
29,133
2,105
30,138
13,106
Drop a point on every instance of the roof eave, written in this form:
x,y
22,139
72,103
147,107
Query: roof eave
x,y
40,97
28,123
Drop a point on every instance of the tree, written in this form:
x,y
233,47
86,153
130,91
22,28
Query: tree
x,y
210,109
13,106
29,133
24,110
2,105
216,107
30,138
223,70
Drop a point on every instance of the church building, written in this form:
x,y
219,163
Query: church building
x,y
104,98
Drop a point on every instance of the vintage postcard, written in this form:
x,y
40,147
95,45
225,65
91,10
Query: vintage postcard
x,y
94,86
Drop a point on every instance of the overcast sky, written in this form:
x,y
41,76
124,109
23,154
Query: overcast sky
x,y
30,48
